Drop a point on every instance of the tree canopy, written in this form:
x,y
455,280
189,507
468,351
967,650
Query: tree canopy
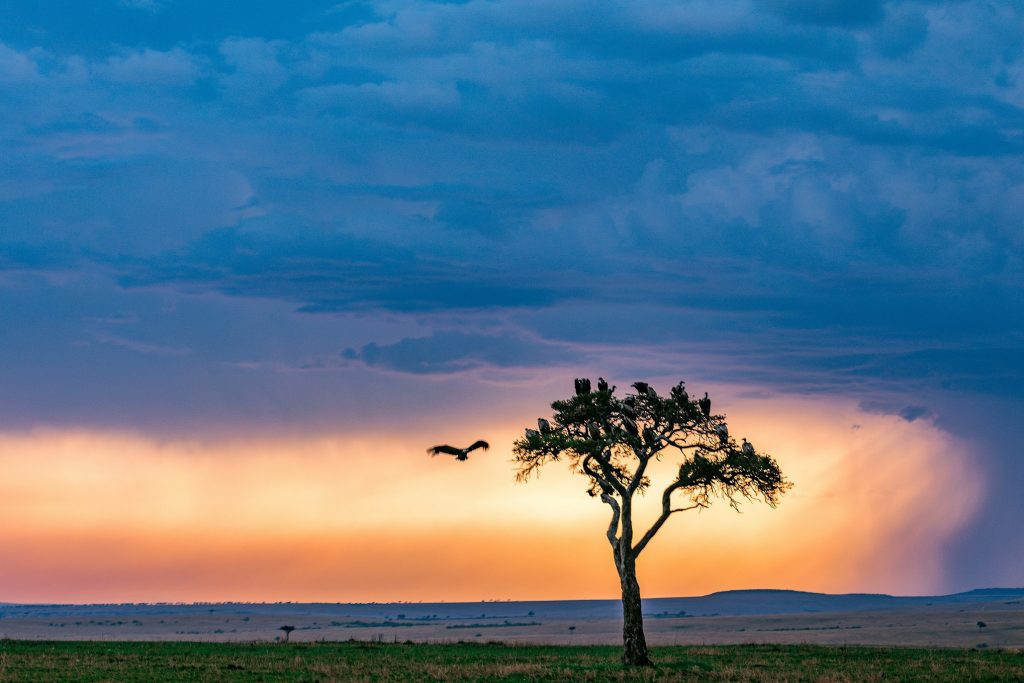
x,y
612,441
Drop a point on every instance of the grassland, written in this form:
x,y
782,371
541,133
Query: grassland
x,y
162,662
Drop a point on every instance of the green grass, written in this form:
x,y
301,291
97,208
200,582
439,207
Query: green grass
x,y
126,662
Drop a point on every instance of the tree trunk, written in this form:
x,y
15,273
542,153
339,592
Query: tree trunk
x,y
633,639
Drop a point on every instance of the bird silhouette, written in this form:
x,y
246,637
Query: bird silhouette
x,y
723,433
459,453
748,448
705,405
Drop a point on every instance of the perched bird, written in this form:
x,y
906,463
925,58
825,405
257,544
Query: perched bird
x,y
459,453
641,387
531,433
748,448
593,430
602,384
582,386
723,433
651,393
705,405
543,425
629,424
628,410
679,393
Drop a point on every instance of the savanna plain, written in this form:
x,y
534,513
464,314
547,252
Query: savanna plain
x,y
153,662
732,636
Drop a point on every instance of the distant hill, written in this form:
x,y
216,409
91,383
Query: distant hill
x,y
725,603
767,601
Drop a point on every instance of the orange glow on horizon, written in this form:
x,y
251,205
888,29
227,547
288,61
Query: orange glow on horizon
x,y
101,517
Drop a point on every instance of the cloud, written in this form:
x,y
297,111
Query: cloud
x,y
255,67
16,66
848,13
148,5
327,271
448,352
174,67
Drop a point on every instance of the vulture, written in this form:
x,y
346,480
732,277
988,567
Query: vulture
x,y
628,411
748,448
593,430
459,453
629,424
543,425
705,405
582,386
679,393
723,433
531,433
641,387
602,384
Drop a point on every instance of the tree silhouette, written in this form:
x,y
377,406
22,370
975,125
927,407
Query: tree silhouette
x,y
287,631
612,442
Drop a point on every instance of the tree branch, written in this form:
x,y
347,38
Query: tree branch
x,y
601,479
609,474
638,476
614,525
666,512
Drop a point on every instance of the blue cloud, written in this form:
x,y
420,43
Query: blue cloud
x,y
829,12
323,271
456,351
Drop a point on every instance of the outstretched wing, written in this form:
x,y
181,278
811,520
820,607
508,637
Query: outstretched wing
x,y
478,444
450,450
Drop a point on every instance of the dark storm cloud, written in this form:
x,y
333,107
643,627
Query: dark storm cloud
x,y
455,351
334,272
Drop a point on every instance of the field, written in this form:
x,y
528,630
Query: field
x,y
992,618
38,661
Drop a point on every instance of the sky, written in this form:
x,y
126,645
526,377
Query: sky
x,y
256,257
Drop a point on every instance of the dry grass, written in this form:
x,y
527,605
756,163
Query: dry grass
x,y
130,662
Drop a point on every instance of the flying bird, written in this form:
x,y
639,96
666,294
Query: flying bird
x,y
459,453
705,405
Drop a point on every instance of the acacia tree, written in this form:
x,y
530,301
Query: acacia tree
x,y
612,442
